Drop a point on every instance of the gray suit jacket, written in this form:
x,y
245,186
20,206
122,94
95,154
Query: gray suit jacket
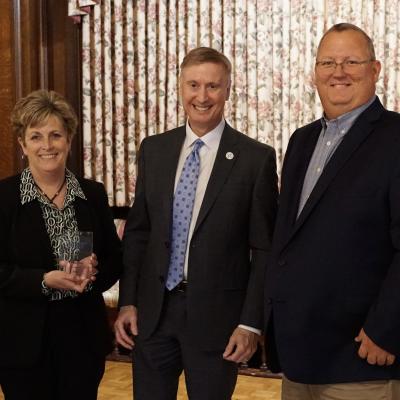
x,y
229,246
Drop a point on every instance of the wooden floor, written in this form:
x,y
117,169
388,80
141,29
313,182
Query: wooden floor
x,y
117,385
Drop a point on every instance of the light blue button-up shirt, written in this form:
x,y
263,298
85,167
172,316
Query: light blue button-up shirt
x,y
332,134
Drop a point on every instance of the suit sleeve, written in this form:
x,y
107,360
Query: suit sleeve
x,y
110,253
383,321
136,234
261,225
15,281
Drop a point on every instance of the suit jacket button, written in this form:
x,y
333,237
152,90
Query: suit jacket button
x,y
269,300
167,244
281,263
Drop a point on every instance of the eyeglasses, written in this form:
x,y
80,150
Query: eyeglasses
x,y
347,65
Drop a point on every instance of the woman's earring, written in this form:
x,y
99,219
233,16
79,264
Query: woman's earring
x,y
22,156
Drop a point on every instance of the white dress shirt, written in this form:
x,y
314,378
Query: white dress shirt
x,y
207,154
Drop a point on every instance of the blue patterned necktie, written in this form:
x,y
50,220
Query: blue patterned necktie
x,y
182,214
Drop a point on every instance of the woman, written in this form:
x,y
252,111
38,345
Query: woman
x,y
54,333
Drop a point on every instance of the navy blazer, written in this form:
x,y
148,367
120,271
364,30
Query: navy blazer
x,y
230,242
336,268
26,254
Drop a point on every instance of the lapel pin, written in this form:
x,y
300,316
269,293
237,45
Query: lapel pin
x,y
229,155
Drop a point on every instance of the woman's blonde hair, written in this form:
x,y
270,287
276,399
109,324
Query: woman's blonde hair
x,y
37,107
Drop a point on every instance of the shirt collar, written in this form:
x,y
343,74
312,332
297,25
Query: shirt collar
x,y
211,139
73,183
344,122
29,192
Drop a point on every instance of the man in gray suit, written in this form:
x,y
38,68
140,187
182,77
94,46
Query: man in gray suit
x,y
196,244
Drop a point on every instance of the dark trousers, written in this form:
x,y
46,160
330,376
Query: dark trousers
x,y
159,361
67,369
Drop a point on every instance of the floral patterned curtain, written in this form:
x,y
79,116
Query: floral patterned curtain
x,y
131,55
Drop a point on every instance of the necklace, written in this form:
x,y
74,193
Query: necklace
x,y
51,199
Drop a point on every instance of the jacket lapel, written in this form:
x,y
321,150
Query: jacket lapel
x,y
220,172
290,194
169,161
32,212
361,129
84,215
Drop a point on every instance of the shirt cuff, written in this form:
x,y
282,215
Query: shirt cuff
x,y
251,329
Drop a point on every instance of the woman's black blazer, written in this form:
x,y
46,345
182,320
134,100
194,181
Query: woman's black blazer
x,y
26,254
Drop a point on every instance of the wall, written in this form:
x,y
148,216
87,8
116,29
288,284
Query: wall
x,y
39,48
7,96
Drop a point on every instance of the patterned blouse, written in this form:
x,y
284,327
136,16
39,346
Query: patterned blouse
x,y
61,224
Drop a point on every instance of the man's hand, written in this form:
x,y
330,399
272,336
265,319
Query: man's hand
x,y
242,345
125,325
372,352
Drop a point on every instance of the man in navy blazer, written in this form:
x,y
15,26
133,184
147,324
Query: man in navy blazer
x,y
210,320
332,284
